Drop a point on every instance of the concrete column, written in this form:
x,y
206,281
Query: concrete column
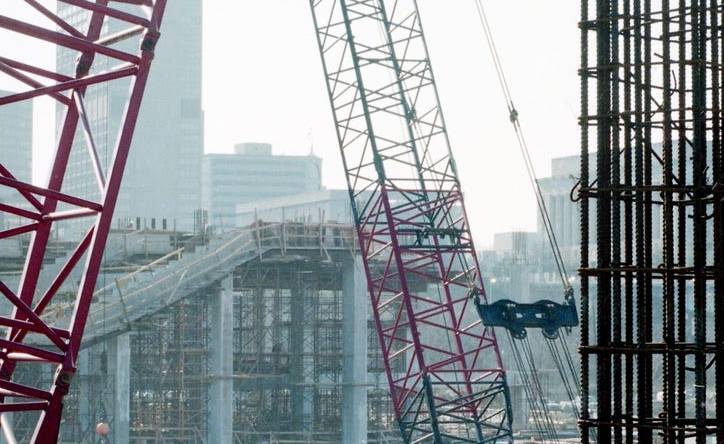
x,y
520,406
296,352
354,335
83,378
221,365
119,357
301,359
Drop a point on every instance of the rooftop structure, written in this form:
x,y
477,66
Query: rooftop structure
x,y
311,207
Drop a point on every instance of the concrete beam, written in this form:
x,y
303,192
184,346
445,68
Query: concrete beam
x,y
221,365
82,378
297,352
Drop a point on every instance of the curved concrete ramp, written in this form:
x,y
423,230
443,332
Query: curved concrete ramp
x,y
152,287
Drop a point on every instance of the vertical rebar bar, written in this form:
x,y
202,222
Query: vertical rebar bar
x,y
585,415
628,218
659,223
616,214
717,42
681,218
698,37
603,216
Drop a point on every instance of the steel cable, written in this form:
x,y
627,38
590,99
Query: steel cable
x,y
531,397
562,357
523,145
550,426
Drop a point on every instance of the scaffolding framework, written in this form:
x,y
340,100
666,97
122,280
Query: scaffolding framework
x,y
652,294
169,354
288,318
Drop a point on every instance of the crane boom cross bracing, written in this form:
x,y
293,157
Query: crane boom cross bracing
x,y
42,208
444,368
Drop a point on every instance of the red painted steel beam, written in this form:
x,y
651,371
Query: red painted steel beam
x,y
26,317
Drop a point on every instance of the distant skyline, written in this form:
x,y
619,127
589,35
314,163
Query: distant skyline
x,y
263,82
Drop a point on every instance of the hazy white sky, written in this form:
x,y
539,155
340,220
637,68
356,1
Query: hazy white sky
x,y
263,82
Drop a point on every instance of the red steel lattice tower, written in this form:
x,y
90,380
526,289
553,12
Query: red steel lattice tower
x,y
44,207
446,377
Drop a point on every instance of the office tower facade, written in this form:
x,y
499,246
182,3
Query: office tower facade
x,y
16,147
558,191
163,175
253,173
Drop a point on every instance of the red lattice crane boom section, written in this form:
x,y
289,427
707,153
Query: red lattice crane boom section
x,y
444,369
41,208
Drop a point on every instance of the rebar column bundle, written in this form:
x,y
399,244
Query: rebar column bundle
x,y
652,284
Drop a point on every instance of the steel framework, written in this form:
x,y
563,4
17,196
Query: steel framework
x,y
47,206
288,322
653,74
410,217
171,399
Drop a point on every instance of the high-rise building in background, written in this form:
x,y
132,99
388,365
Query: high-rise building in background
x,y
558,191
16,147
253,173
564,213
163,176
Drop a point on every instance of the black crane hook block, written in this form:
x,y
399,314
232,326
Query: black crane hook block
x,y
517,317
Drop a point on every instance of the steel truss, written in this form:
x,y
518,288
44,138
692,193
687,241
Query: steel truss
x,y
44,207
444,369
655,80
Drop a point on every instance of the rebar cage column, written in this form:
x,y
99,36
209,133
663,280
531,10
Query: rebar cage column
x,y
651,105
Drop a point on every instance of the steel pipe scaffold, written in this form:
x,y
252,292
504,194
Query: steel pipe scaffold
x,y
652,220
42,208
445,373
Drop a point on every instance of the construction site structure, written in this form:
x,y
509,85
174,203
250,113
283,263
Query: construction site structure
x,y
652,346
444,369
254,335
44,207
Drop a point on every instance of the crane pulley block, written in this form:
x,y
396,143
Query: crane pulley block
x,y
517,317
